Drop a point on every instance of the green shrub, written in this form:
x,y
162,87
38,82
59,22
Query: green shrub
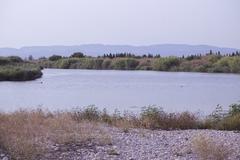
x,y
10,59
166,64
63,63
235,65
131,63
4,61
234,109
20,73
15,59
55,57
106,63
185,66
90,113
119,64
220,69
145,64
77,55
98,63
222,120
152,117
222,65
88,63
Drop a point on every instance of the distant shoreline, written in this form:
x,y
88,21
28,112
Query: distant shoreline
x,y
95,50
209,63
14,68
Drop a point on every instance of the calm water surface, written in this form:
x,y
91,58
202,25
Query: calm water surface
x,y
124,90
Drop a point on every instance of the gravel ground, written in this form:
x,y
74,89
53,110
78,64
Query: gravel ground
x,y
142,144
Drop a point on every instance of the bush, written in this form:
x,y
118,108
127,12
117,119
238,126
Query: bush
x,y
98,63
118,64
145,64
87,63
186,120
55,57
77,55
10,60
222,120
20,73
234,109
131,63
15,59
156,118
4,61
152,117
166,64
222,65
235,65
63,63
230,123
106,63
90,113
13,68
124,64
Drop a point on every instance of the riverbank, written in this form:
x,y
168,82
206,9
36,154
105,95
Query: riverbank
x,y
141,144
209,63
92,134
15,69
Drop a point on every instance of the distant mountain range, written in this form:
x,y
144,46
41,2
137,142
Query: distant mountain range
x,y
100,49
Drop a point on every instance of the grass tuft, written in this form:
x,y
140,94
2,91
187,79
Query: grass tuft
x,y
207,148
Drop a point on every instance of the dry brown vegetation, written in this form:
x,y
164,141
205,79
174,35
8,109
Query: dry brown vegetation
x,y
208,148
28,134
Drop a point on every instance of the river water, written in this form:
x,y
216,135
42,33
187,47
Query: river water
x,y
60,89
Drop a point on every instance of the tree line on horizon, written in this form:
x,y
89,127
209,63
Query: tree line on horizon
x,y
131,55
210,62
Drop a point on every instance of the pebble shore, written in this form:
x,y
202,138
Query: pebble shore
x,y
143,144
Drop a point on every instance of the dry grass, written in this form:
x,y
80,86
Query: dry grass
x,y
27,134
153,117
207,148
156,118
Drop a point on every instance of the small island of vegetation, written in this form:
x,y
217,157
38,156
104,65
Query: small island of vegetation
x,y
14,68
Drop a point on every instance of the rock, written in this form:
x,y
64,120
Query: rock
x,y
158,144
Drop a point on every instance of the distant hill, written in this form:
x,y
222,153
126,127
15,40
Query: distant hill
x,y
100,49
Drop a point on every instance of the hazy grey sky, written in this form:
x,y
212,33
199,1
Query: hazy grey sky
x,y
134,22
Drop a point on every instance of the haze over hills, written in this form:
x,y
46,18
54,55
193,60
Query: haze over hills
x,y
100,49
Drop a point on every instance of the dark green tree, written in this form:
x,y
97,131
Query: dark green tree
x,y
55,57
77,55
